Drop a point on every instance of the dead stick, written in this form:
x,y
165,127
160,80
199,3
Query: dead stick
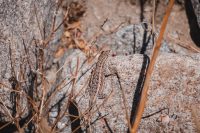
x,y
150,70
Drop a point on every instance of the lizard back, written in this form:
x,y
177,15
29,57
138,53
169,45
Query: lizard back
x,y
97,76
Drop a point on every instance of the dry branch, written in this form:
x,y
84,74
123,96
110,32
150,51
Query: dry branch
x,y
143,99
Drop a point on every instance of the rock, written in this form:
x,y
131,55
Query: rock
x,y
19,25
175,82
175,87
25,24
131,39
196,7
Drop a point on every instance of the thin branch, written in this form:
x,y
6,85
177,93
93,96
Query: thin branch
x,y
150,69
124,101
153,16
36,15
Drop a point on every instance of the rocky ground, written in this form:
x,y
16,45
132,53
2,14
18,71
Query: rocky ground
x,y
87,27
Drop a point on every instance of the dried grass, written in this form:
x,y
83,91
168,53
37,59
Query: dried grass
x,y
156,49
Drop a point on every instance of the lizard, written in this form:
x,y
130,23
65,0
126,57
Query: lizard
x,y
96,81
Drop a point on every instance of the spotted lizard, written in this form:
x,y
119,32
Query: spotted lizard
x,y
96,81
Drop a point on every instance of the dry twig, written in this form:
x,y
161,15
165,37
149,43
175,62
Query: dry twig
x,y
143,98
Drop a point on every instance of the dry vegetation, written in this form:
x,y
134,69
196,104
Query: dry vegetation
x,y
30,93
